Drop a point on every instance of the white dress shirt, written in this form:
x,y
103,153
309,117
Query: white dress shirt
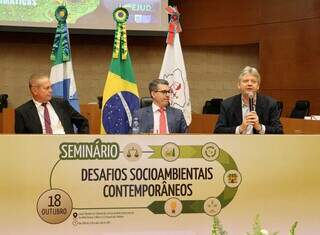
x,y
56,125
245,111
156,119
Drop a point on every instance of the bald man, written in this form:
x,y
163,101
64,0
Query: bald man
x,y
44,114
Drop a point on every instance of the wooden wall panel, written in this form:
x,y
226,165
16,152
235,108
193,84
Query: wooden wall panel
x,y
206,14
212,70
287,32
7,121
275,10
290,96
93,114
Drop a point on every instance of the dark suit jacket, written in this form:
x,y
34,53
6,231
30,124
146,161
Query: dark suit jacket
x,y
175,120
27,119
231,115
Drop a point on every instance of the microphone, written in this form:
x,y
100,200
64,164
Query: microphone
x,y
251,106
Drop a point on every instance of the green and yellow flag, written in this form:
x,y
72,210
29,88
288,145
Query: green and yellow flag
x,y
120,95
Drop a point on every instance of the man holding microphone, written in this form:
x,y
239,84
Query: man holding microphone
x,y
249,112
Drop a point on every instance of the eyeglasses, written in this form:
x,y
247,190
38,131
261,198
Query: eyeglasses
x,y
165,92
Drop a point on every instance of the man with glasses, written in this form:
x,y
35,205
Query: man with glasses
x,y
45,114
160,118
249,112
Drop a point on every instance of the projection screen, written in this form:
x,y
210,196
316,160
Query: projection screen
x,y
145,15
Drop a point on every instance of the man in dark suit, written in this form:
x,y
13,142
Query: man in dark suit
x,y
45,114
236,115
160,118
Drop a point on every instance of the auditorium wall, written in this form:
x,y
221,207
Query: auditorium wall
x,y
219,37
212,70
288,34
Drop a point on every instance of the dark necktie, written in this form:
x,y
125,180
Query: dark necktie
x,y
47,121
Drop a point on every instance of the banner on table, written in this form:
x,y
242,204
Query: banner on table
x,y
170,184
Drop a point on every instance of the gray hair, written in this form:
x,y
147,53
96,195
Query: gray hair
x,y
251,71
34,78
153,85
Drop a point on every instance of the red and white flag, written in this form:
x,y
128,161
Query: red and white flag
x,y
173,70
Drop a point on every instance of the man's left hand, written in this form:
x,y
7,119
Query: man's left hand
x,y
255,122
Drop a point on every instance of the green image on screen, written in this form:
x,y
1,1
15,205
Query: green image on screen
x,y
43,11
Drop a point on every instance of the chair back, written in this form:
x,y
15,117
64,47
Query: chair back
x,y
3,101
145,101
99,98
212,106
301,109
280,107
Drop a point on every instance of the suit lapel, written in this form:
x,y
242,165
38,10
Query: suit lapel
x,y
170,118
34,117
237,107
150,124
259,107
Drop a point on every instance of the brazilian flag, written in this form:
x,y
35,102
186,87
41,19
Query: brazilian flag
x,y
120,95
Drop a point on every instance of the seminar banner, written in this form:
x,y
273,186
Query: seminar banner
x,y
151,184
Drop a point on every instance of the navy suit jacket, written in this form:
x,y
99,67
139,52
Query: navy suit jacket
x,y
27,119
175,120
231,115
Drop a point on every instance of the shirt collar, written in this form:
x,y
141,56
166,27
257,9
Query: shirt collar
x,y
37,103
156,108
243,104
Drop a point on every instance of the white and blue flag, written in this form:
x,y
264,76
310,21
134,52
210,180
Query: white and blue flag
x,y
62,76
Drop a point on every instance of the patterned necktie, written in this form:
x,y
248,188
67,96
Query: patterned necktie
x,y
163,122
47,121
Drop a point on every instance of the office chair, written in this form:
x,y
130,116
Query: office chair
x,y
212,106
280,107
3,101
99,98
145,101
301,109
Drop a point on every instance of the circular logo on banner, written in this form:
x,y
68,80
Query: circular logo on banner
x,y
212,206
173,207
232,178
132,152
210,151
170,152
54,206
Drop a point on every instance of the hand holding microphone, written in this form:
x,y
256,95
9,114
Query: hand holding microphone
x,y
251,101
251,117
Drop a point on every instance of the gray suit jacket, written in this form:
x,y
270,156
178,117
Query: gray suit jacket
x,y
175,119
27,119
